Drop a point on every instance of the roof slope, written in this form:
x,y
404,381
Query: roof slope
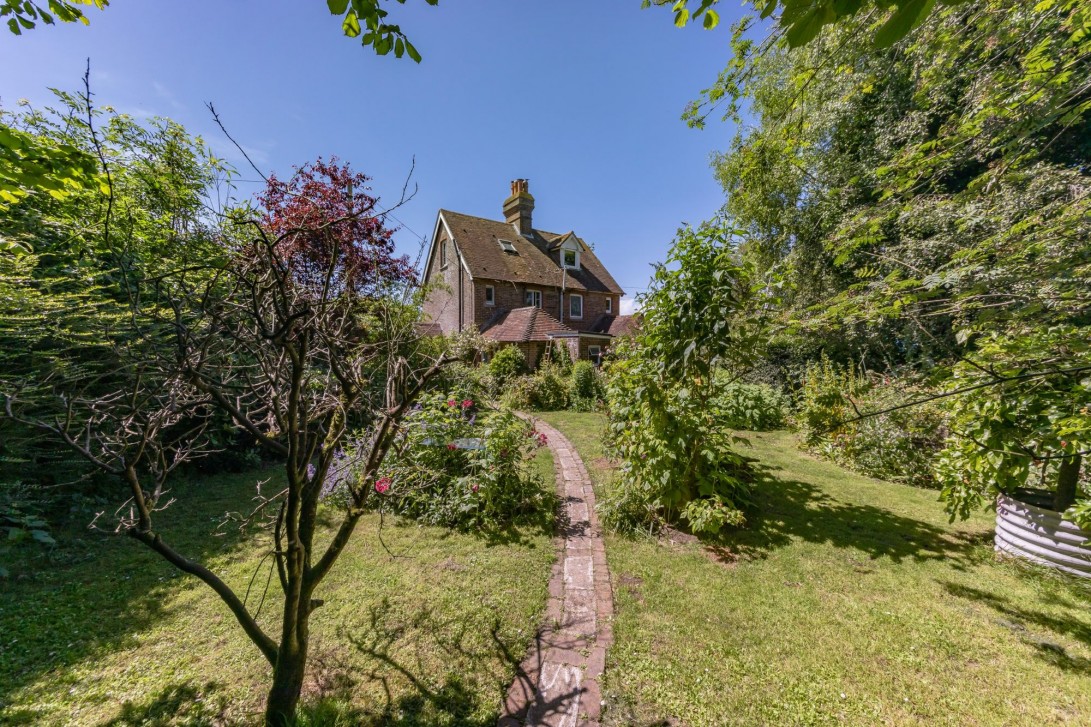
x,y
477,238
616,325
523,324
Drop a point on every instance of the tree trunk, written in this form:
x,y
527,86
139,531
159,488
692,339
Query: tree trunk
x,y
1068,479
287,682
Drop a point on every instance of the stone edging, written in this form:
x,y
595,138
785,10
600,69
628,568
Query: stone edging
x,y
558,683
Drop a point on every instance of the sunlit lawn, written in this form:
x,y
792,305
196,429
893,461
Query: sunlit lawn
x,y
422,631
846,601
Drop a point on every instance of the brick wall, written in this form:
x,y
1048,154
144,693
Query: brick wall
x,y
513,295
441,305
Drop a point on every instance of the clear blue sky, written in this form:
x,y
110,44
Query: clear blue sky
x,y
582,97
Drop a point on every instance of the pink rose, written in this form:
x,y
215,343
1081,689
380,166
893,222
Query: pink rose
x,y
467,403
382,485
475,487
452,403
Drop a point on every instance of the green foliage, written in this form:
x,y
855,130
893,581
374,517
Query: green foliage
x,y
547,389
463,466
367,20
25,14
506,364
677,458
925,210
754,407
802,20
859,421
586,386
1016,435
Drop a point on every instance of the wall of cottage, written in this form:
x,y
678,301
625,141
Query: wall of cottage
x,y
513,295
442,306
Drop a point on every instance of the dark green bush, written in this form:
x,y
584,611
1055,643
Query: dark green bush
x,y
754,407
506,364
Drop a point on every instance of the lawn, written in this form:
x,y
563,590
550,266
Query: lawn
x,y
846,600
425,630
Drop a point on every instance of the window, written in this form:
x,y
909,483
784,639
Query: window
x,y
443,254
609,305
506,245
575,306
534,298
571,258
595,354
490,295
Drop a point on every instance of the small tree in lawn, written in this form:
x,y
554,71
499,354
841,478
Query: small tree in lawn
x,y
302,331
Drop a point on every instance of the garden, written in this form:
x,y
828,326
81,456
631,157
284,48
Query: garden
x,y
839,460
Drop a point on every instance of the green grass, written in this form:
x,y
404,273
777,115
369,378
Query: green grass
x,y
846,600
426,634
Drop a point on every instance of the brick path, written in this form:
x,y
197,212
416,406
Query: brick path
x,y
557,685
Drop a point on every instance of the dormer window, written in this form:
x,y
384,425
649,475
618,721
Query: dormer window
x,y
571,259
506,245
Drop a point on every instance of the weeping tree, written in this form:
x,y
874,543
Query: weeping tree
x,y
300,331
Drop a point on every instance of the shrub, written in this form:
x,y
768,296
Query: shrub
x,y
900,445
586,387
755,407
544,390
462,467
506,364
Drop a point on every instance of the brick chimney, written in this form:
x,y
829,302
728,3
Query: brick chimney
x,y
519,207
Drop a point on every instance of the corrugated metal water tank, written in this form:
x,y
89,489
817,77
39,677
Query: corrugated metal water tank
x,y
1040,535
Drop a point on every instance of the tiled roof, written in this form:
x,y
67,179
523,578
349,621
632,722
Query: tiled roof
x,y
616,325
523,324
531,263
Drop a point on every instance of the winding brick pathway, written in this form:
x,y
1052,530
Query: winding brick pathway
x,y
557,685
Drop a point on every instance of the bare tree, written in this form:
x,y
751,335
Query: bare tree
x,y
290,340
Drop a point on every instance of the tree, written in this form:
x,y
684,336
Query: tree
x,y
800,21
925,209
699,323
298,330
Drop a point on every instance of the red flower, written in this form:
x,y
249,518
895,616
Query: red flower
x,y
452,446
475,487
382,485
452,403
467,403
542,439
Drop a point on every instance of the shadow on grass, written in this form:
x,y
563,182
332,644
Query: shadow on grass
x,y
1017,617
56,616
390,652
787,510
180,704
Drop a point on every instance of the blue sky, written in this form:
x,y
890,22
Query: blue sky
x,y
581,97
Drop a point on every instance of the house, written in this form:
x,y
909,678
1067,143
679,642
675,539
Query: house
x,y
518,285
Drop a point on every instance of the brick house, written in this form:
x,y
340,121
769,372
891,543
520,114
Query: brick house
x,y
518,285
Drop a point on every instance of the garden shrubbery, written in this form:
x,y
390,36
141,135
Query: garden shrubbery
x,y
900,446
461,465
557,384
754,407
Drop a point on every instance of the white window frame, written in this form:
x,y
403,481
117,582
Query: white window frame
x,y
609,305
564,258
594,353
490,295
533,298
572,298
443,255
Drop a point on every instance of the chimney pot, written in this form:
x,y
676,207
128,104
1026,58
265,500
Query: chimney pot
x,y
519,207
